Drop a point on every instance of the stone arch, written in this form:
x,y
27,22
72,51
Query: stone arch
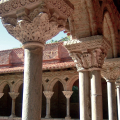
x,y
86,23
17,86
51,85
3,84
44,86
109,29
71,82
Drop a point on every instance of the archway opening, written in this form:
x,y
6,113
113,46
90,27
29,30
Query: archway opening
x,y
43,111
74,101
18,102
5,102
58,102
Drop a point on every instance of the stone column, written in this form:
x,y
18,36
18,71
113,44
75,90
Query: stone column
x,y
96,95
33,28
68,95
1,94
32,81
84,95
88,54
112,111
118,98
13,95
48,95
110,73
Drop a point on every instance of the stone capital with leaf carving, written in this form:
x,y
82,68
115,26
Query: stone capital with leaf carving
x,y
111,70
48,94
67,93
13,95
88,53
35,20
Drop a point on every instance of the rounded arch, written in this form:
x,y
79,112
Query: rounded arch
x,y
43,85
109,28
71,82
52,83
3,84
17,85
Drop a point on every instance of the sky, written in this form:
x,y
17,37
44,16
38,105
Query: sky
x,y
9,42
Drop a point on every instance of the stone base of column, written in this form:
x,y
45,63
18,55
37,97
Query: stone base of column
x,y
12,116
47,116
68,117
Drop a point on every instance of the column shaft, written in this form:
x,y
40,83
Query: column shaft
x,y
68,107
111,101
84,95
13,108
96,96
48,108
32,84
118,101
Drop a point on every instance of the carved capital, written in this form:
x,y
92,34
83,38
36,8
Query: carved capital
x,y
89,43
67,93
48,94
43,20
1,94
111,74
13,95
91,60
88,53
111,69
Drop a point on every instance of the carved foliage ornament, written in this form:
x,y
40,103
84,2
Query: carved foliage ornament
x,y
13,95
59,5
111,74
38,30
39,24
48,94
67,93
89,60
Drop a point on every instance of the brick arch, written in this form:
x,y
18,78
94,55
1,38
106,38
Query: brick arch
x,y
108,13
84,16
109,34
44,86
17,86
52,83
3,84
71,82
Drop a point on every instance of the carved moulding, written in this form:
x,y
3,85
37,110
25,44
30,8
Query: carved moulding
x,y
88,53
36,22
111,69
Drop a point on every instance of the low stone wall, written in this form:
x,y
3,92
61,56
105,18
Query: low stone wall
x,y
17,118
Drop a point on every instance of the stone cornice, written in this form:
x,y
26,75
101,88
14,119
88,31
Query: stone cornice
x,y
86,44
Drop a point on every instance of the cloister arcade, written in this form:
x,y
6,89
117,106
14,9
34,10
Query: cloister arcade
x,y
56,84
94,46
